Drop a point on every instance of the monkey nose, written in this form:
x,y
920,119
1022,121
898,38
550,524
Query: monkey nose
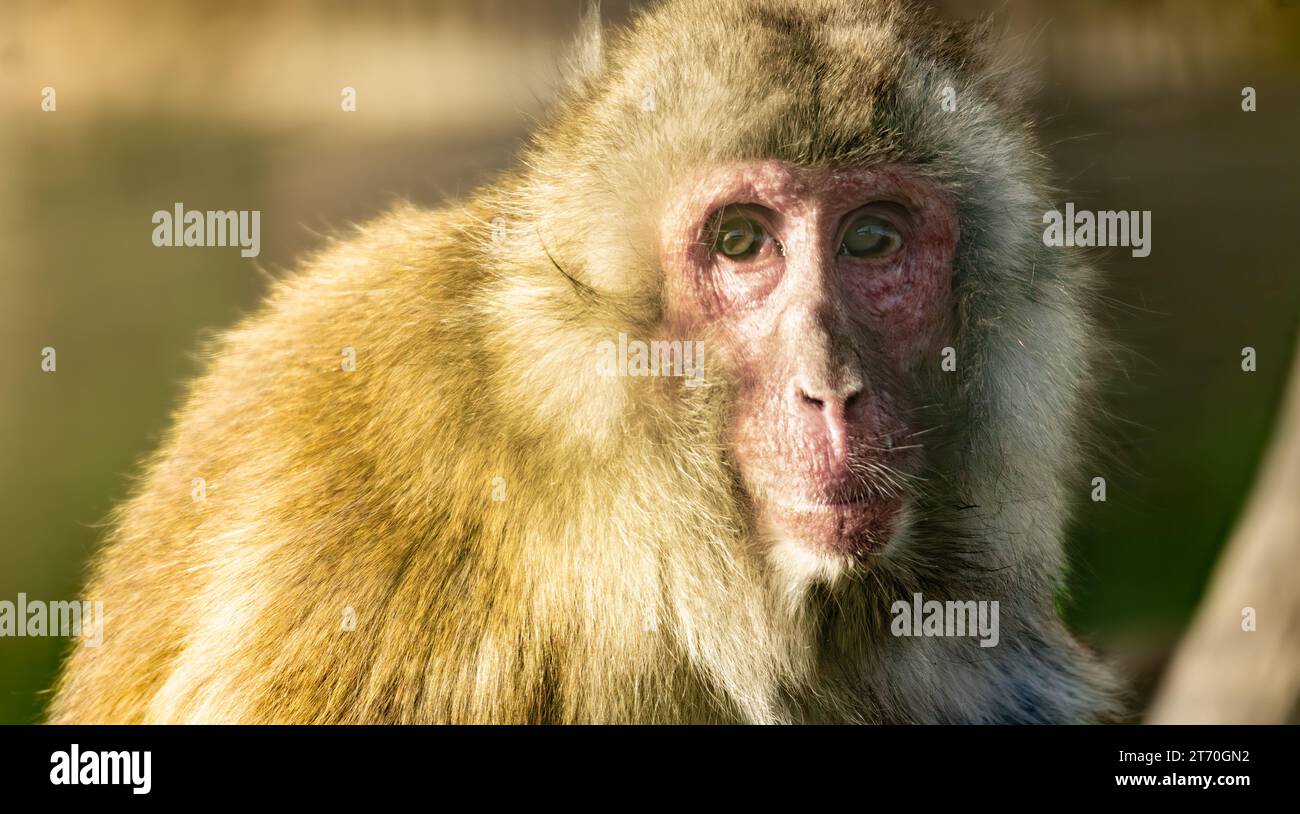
x,y
831,406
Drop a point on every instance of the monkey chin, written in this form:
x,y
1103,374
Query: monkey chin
x,y
823,540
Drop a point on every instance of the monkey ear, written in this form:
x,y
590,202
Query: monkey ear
x,y
982,49
587,59
998,58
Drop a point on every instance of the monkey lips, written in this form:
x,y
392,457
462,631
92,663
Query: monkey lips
x,y
819,485
856,526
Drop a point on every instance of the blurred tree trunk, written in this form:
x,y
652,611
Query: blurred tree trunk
x,y
1224,674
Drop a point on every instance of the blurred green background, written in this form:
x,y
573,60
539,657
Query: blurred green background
x,y
236,106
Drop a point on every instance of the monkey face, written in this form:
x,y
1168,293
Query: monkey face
x,y
830,292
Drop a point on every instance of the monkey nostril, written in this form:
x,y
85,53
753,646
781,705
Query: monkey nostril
x,y
817,399
830,413
836,409
811,401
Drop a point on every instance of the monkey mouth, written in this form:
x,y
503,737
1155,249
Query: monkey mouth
x,y
853,525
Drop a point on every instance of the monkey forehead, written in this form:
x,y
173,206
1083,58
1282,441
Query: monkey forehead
x,y
793,191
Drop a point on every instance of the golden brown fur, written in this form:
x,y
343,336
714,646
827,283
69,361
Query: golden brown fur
x,y
619,579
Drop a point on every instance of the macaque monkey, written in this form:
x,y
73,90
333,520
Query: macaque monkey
x,y
427,497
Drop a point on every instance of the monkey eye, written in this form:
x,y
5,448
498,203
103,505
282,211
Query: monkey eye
x,y
739,237
870,236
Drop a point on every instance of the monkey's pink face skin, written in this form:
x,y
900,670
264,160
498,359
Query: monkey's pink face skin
x,y
828,289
